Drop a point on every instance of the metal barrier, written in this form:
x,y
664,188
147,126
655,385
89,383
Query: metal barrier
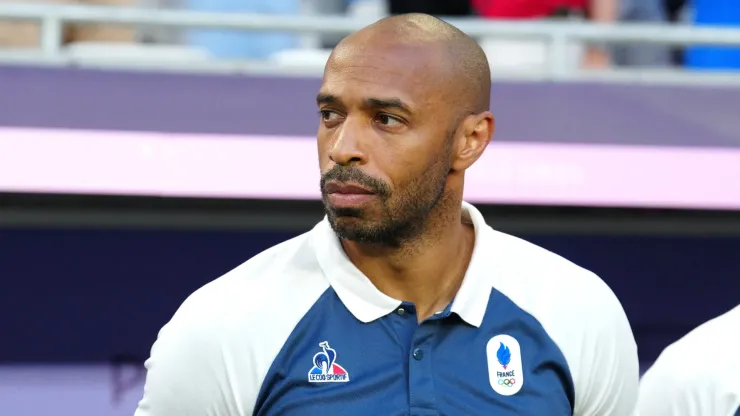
x,y
557,34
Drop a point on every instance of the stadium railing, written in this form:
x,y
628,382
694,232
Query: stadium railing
x,y
557,35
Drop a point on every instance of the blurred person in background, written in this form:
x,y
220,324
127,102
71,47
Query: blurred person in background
x,y
643,54
27,35
598,11
402,300
698,375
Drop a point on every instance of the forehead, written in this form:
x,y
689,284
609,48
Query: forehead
x,y
412,73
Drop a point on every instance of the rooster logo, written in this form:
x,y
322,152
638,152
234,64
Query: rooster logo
x,y
325,368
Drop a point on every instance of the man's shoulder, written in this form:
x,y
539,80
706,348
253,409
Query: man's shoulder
x,y
285,278
227,334
535,271
268,270
572,304
581,315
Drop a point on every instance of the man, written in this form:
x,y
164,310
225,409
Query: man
x,y
402,301
698,375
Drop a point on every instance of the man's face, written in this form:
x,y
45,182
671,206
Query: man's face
x,y
384,140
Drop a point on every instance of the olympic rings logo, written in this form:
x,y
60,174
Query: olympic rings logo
x,y
508,382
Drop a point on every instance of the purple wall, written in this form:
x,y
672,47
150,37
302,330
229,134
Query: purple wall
x,y
540,112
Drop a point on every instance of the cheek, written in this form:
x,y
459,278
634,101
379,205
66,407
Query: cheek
x,y
410,156
322,146
422,175
404,173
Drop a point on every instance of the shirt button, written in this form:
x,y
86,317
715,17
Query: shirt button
x,y
418,354
401,311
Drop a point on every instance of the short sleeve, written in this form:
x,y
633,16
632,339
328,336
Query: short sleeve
x,y
187,371
608,365
214,355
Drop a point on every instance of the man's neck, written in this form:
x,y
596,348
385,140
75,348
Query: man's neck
x,y
427,271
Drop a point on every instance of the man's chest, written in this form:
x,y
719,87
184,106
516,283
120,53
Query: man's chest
x,y
395,366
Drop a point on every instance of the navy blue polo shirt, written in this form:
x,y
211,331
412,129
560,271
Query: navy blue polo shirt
x,y
299,330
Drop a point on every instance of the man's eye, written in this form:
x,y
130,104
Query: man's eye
x,y
388,120
328,115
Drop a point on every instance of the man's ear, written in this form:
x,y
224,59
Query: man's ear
x,y
477,130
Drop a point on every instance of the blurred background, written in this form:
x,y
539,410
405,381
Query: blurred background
x,y
149,146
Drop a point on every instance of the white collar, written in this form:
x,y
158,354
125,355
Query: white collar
x,y
367,303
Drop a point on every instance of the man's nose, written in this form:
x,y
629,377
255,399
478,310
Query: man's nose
x,y
347,148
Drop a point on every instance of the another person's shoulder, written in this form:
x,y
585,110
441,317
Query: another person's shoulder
x,y
581,314
697,374
721,333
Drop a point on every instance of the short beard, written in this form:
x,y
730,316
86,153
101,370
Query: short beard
x,y
395,227
401,220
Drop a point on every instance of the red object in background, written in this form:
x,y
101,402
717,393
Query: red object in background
x,y
524,9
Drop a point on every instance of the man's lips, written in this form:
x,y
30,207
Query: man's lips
x,y
345,195
346,189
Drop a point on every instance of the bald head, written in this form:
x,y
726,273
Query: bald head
x,y
459,61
